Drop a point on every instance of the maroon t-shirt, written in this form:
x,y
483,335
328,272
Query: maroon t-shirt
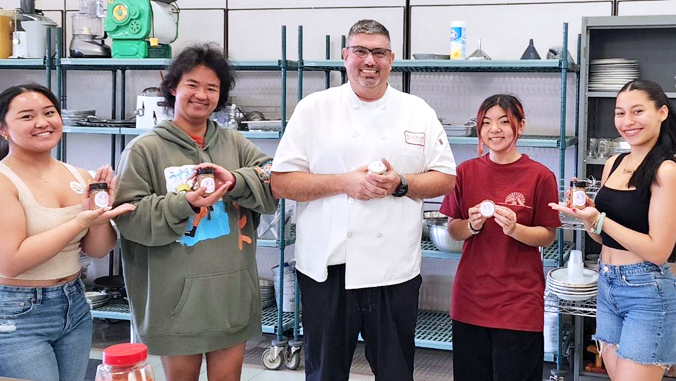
x,y
500,281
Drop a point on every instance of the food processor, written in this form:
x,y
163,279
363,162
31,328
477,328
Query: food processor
x,y
88,34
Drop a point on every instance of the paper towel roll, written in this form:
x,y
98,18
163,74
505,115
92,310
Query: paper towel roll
x,y
165,22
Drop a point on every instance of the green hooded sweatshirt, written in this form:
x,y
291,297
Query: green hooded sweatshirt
x,y
191,295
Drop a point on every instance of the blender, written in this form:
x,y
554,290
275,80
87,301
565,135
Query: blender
x,y
88,34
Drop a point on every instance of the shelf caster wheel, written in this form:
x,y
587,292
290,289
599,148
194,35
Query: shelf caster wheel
x,y
293,358
273,358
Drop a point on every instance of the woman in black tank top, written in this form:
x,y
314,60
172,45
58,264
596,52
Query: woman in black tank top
x,y
635,212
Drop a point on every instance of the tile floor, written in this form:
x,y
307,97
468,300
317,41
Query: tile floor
x,y
430,364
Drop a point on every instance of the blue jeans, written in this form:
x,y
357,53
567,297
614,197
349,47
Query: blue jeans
x,y
45,332
636,311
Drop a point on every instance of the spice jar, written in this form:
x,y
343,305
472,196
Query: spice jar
x,y
578,194
487,208
99,193
377,168
205,179
125,362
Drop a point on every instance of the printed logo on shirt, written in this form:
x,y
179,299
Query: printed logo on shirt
x,y
415,138
516,199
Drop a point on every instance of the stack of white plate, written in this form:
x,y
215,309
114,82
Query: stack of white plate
x,y
267,293
573,288
610,74
96,299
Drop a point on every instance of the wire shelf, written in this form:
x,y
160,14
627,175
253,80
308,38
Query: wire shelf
x,y
582,308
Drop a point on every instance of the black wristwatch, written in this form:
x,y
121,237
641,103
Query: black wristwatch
x,y
402,188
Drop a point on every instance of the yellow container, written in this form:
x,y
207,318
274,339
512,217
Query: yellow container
x,y
6,30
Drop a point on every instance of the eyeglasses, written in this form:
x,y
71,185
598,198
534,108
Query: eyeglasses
x,y
362,52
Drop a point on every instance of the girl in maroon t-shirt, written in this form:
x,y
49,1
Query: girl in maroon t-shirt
x,y
497,305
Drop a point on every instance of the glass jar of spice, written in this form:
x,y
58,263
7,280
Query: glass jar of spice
x,y
205,179
125,362
99,193
377,168
578,194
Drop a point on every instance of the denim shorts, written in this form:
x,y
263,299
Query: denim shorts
x,y
636,310
45,332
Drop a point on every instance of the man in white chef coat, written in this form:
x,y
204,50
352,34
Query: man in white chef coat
x,y
358,232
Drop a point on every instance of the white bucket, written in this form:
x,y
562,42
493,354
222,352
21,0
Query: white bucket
x,y
289,297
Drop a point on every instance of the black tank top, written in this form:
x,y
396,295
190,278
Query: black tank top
x,y
623,206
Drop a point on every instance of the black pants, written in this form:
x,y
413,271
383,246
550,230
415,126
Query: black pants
x,y
491,354
333,318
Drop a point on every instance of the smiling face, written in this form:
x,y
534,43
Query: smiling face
x,y
32,123
197,95
498,134
368,75
637,118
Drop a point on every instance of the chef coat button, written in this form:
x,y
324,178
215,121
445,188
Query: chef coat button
x,y
355,106
355,134
380,235
349,235
383,136
384,107
605,269
350,200
382,200
354,167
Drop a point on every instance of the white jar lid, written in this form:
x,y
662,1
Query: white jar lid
x,y
487,208
377,167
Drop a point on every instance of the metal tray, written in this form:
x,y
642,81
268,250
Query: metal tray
x,y
455,131
263,125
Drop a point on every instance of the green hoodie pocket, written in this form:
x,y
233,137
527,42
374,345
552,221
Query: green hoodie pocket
x,y
216,302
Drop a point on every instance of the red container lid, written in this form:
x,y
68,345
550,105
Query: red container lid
x,y
126,354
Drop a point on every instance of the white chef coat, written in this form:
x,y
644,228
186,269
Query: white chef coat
x,y
334,132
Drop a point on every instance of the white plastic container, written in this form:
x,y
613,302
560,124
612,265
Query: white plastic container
x,y
458,40
551,332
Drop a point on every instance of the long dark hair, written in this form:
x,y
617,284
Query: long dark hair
x,y
7,96
665,147
511,105
208,55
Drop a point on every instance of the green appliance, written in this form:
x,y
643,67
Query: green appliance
x,y
142,28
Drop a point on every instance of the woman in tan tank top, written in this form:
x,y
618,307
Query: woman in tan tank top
x,y
47,219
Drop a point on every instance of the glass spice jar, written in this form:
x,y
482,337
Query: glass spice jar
x,y
125,362
205,179
578,194
377,168
99,193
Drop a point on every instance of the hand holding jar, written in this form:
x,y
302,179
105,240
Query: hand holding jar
x,y
212,182
99,197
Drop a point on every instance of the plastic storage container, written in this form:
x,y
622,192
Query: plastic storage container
x,y
125,362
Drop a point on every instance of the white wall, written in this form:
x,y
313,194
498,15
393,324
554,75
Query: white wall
x,y
253,28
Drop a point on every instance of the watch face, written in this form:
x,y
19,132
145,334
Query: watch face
x,y
402,189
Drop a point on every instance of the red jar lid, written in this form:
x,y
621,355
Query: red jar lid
x,y
126,354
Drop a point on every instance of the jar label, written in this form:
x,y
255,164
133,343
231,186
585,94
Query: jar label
x,y
579,198
101,199
487,209
208,183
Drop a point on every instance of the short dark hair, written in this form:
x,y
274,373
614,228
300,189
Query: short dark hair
x,y
208,55
7,96
510,104
369,27
665,147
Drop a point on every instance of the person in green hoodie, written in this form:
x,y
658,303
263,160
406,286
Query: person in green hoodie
x,y
193,287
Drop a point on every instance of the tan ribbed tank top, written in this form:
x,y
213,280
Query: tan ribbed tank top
x,y
39,219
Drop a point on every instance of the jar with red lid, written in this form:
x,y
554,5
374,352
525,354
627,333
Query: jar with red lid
x,y
125,362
